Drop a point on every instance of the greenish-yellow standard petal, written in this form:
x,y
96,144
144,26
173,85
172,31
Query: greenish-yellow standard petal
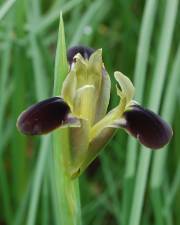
x,y
69,88
104,96
84,105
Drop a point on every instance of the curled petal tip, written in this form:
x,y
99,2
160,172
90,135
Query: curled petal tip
x,y
85,52
127,88
43,117
149,128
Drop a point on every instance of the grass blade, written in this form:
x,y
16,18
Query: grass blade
x,y
53,15
37,180
168,109
154,102
158,164
85,20
5,8
139,82
41,93
67,190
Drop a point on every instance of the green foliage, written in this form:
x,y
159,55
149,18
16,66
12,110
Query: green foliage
x,y
127,184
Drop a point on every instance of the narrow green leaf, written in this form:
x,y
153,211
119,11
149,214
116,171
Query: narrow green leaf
x,y
168,109
67,190
154,103
5,8
139,83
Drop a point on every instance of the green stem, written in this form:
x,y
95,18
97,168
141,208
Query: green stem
x,y
67,190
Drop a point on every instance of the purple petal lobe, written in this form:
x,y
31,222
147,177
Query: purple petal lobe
x,y
149,128
84,51
43,117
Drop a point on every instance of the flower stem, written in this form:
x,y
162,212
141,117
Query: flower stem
x,y
67,190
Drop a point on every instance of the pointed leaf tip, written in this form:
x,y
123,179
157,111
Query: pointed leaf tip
x,y
149,128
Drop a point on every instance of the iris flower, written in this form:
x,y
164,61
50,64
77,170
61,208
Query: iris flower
x,y
82,106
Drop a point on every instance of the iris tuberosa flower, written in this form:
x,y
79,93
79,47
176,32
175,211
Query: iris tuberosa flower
x,y
82,106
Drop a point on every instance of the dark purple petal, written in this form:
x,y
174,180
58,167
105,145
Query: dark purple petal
x,y
149,128
84,51
43,117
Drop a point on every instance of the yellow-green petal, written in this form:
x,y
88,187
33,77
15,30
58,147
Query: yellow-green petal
x,y
126,94
69,88
127,88
104,96
84,104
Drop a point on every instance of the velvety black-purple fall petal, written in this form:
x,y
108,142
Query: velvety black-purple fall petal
x,y
43,117
149,128
84,51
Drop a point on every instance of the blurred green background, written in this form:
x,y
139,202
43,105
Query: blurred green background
x,y
127,184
